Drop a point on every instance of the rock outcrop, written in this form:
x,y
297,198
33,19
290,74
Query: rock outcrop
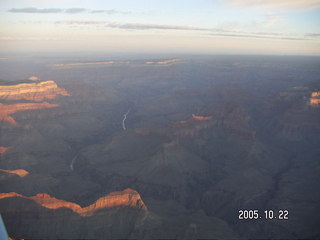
x,y
192,126
201,118
3,149
314,100
20,172
7,110
32,91
125,198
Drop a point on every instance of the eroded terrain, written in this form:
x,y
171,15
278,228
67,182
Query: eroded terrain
x,y
203,138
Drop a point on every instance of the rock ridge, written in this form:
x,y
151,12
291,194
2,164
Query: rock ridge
x,y
201,118
32,91
7,109
20,172
126,198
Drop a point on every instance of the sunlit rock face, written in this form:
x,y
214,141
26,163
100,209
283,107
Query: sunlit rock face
x,y
315,94
8,109
201,118
125,198
20,172
192,126
314,102
32,91
314,99
3,149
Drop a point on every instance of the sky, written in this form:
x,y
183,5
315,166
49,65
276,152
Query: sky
x,y
282,27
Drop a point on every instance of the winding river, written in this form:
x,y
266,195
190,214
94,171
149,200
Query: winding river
x,y
124,119
72,162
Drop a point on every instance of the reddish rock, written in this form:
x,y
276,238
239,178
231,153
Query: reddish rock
x,y
3,149
127,198
7,110
32,91
314,100
201,118
20,172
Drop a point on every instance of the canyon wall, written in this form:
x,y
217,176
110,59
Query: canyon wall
x,y
32,91
8,109
125,198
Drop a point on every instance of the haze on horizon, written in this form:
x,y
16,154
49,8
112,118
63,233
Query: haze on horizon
x,y
166,26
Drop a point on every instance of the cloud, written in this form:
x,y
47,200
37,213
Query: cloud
x,y
29,38
141,26
254,35
314,35
75,10
288,4
210,31
271,20
35,10
131,26
111,11
80,22
68,10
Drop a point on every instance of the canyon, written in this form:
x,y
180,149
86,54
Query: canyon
x,y
190,144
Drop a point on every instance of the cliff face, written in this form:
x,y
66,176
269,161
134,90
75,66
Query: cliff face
x,y
7,110
20,172
127,198
32,91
